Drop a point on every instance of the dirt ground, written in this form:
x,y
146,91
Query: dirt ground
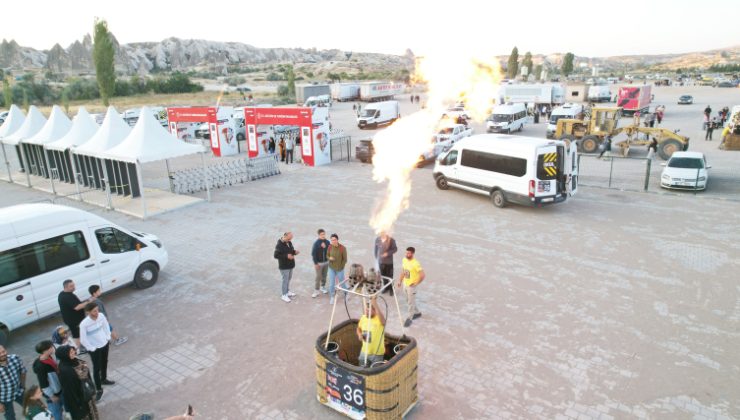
x,y
612,305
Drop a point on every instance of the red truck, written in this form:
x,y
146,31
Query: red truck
x,y
634,98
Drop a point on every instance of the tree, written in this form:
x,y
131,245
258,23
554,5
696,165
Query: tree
x,y
527,62
103,59
26,104
513,65
7,93
283,91
567,67
65,101
538,72
290,76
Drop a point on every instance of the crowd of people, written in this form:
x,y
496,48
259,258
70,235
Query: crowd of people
x,y
330,257
67,384
714,122
285,146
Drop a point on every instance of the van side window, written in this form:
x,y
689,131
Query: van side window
x,y
451,158
41,257
113,241
506,165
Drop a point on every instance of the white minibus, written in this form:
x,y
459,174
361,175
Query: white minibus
x,y
510,169
507,118
41,245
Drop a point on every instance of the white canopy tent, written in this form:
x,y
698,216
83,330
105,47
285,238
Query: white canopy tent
x,y
87,157
83,128
12,123
148,142
33,123
38,161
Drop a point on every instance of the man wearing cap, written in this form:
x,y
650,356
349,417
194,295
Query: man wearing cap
x,y
412,275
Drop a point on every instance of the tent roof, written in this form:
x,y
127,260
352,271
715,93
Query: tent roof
x,y
83,128
33,124
55,128
149,142
13,122
110,134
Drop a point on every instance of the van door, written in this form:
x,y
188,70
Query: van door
x,y
45,262
16,297
118,256
548,172
571,168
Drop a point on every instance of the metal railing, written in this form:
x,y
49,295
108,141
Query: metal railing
x,y
624,173
341,148
223,174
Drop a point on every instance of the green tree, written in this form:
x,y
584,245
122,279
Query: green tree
x,y
283,91
103,59
290,76
26,104
65,101
527,62
7,93
538,72
513,64
567,67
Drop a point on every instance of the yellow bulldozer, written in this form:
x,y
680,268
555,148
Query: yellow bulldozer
x,y
603,123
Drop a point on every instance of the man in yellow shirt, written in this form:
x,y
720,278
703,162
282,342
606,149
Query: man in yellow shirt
x,y
411,275
371,331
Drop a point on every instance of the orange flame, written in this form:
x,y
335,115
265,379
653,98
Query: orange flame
x,y
450,78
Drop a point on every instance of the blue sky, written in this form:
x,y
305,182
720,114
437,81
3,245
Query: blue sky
x,y
586,28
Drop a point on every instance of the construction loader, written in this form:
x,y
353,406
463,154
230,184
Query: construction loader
x,y
603,122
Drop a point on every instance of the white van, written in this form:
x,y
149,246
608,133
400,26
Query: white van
x,y
379,113
523,170
507,118
568,110
41,245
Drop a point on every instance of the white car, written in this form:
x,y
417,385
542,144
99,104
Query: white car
x,y
455,112
685,171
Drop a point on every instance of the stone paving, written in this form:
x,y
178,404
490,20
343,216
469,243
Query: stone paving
x,y
611,305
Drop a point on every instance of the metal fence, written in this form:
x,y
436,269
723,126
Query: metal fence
x,y
624,173
224,174
341,148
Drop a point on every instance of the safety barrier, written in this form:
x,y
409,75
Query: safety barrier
x,y
223,174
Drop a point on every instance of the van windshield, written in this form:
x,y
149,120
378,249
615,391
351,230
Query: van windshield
x,y
367,113
554,118
502,118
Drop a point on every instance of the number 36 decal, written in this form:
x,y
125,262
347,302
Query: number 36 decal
x,y
353,395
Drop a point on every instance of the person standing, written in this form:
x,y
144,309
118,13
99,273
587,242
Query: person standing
x,y
710,129
320,262
412,275
652,148
95,335
72,310
72,373
271,146
95,292
289,146
659,115
606,148
385,247
337,254
371,332
281,146
285,254
707,115
47,374
12,382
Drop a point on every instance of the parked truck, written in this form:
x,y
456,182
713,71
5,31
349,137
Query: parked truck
x,y
305,91
634,98
533,94
599,93
380,91
379,113
342,92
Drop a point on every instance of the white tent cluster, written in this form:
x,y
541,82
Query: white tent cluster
x,y
106,157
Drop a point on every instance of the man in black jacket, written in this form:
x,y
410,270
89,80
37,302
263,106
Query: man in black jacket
x,y
385,247
72,309
285,254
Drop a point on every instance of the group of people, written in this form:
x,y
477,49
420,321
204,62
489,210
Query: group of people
x,y
711,123
415,98
64,380
285,146
330,259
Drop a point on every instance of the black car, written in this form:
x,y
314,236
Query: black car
x,y
686,100
365,151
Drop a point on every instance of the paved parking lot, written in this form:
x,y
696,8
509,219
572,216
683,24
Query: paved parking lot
x,y
611,305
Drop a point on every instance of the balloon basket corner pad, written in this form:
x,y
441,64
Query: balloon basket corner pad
x,y
386,390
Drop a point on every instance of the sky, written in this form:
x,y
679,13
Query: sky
x,y
586,28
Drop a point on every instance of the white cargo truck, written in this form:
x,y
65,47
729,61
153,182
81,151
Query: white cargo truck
x,y
533,94
599,93
379,113
342,92
305,91
380,91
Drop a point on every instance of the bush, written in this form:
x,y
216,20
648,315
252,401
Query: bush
x,y
82,89
176,83
272,77
283,91
235,81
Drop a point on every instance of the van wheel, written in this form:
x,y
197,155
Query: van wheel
x,y
498,199
442,183
146,275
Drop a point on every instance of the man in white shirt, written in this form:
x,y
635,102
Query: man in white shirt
x,y
95,336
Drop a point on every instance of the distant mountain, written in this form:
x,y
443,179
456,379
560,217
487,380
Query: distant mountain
x,y
182,54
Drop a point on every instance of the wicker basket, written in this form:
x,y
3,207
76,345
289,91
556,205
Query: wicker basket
x,y
387,391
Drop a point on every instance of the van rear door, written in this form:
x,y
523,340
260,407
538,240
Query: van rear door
x,y
571,168
549,169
